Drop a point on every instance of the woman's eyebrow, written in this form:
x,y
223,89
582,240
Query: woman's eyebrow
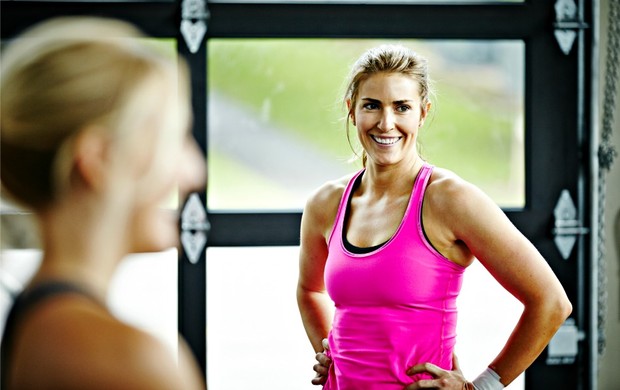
x,y
371,100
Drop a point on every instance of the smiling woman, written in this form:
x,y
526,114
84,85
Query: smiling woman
x,y
389,245
273,106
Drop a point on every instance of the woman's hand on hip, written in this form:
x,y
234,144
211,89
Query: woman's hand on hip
x,y
323,365
442,379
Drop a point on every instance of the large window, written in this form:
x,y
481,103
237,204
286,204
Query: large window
x,y
277,129
365,1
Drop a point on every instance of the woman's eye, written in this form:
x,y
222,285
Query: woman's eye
x,y
370,106
403,108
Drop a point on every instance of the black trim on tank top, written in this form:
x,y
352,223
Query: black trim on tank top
x,y
359,250
422,223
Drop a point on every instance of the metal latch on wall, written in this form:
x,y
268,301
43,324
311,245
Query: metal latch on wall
x,y
194,228
567,22
566,227
564,346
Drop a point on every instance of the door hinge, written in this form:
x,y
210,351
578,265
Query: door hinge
x,y
194,228
566,226
194,17
567,23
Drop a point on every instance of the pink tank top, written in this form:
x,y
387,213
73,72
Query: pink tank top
x,y
395,306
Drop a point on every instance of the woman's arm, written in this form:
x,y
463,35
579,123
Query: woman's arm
x,y
315,306
476,222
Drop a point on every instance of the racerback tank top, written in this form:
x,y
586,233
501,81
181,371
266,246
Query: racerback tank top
x,y
395,306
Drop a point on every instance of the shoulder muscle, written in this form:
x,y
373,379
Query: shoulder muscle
x,y
322,206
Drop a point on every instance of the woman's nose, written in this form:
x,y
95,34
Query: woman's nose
x,y
387,120
193,175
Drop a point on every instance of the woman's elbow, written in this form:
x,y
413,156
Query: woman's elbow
x,y
559,307
566,307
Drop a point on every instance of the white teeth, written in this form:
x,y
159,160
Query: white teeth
x,y
386,141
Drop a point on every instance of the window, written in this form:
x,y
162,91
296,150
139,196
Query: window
x,y
276,128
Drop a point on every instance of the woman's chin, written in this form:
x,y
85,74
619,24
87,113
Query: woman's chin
x,y
155,245
157,236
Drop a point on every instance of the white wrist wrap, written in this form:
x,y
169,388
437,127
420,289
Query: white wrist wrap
x,y
488,380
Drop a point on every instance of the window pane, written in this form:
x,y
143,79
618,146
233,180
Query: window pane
x,y
253,318
369,1
276,129
255,338
144,293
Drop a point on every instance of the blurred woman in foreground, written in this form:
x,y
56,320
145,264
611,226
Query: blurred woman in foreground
x,y
94,133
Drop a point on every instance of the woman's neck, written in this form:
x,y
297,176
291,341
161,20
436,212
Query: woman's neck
x,y
83,242
395,179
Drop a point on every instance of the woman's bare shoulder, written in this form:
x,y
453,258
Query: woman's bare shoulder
x,y
458,204
453,199
327,196
446,186
443,176
76,343
322,207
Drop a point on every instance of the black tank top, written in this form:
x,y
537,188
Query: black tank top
x,y
25,302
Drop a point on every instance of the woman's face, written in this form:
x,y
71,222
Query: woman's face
x,y
387,115
176,165
155,222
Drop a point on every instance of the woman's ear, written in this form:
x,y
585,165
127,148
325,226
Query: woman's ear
x,y
351,112
424,113
90,151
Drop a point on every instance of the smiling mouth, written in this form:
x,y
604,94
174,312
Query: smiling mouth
x,y
386,140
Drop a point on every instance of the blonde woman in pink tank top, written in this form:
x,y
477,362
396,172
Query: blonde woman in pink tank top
x,y
389,246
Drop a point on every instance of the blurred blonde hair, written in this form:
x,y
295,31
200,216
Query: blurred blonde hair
x,y
63,76
387,59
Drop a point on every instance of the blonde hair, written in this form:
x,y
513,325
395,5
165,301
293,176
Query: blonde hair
x,y
57,79
387,59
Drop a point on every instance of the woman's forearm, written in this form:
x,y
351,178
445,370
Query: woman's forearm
x,y
535,328
316,314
